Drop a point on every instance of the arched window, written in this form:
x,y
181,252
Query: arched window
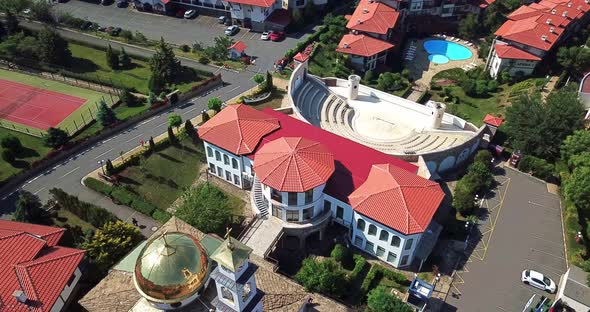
x,y
217,156
384,235
227,294
372,229
209,152
360,225
395,241
234,163
225,159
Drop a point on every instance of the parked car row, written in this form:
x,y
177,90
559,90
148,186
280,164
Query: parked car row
x,y
272,35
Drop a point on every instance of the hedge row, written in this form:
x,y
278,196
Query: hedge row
x,y
374,274
538,167
359,265
303,44
88,212
128,198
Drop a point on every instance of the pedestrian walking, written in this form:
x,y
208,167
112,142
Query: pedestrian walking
x,y
134,221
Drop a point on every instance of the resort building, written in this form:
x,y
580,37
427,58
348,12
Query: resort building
x,y
181,268
303,178
36,274
533,31
424,135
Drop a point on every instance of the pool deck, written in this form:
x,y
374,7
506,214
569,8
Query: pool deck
x,y
422,70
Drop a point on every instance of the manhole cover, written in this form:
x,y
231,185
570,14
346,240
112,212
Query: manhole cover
x,y
154,228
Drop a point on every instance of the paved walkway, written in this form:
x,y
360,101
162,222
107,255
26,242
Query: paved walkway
x,y
262,234
549,86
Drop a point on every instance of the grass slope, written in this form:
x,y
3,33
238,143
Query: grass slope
x,y
34,150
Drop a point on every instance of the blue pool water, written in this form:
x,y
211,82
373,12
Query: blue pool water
x,y
441,52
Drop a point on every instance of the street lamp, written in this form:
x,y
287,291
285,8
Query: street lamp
x,y
101,163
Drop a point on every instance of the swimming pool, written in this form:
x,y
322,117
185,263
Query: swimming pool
x,y
441,52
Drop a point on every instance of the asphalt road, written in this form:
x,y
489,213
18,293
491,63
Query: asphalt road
x,y
182,31
524,232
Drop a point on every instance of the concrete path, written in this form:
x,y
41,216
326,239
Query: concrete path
x,y
262,234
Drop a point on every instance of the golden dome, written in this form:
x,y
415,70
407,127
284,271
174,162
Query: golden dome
x,y
170,268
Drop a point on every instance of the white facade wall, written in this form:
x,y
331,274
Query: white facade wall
x,y
66,292
514,67
254,13
224,162
341,212
385,243
316,203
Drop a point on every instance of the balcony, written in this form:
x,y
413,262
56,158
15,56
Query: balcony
x,y
309,225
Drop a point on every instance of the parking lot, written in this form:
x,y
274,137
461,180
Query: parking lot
x,y
523,231
181,31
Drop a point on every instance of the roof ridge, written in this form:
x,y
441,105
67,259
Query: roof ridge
x,y
28,277
410,216
32,263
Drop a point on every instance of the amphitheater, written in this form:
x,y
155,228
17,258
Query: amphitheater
x,y
396,126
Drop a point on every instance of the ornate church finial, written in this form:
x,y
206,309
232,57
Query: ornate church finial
x,y
227,236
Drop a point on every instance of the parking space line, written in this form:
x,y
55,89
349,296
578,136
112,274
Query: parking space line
x,y
245,34
546,240
540,205
547,253
552,269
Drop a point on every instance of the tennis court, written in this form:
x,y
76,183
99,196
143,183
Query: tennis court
x,y
35,107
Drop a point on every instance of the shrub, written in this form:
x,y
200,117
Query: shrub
x,y
322,276
538,167
98,186
123,196
97,216
340,253
126,34
141,206
8,156
161,215
12,143
185,48
484,157
204,60
359,265
374,274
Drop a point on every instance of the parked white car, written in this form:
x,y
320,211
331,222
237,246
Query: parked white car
x,y
232,30
265,35
190,14
538,280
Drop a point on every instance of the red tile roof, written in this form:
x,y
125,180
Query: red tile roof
x,y
300,57
509,52
528,31
397,198
493,120
239,46
30,264
362,45
238,129
51,234
485,3
293,164
351,168
259,3
373,17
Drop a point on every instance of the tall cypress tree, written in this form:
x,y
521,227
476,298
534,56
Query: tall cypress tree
x,y
105,115
112,58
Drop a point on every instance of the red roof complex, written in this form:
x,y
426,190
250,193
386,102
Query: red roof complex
x,y
239,46
293,164
397,198
238,129
259,3
493,120
362,45
505,51
31,262
542,24
373,16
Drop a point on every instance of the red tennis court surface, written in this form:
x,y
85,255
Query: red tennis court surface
x,y
35,107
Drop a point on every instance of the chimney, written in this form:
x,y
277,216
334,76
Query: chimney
x,y
579,8
359,21
586,1
564,14
20,296
548,21
555,11
544,38
569,4
345,45
365,10
551,29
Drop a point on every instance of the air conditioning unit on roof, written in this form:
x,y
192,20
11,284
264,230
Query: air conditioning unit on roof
x,y
548,21
345,45
544,38
365,10
555,11
552,29
569,4
564,14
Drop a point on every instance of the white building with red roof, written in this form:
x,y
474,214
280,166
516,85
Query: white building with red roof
x,y
531,32
36,274
304,178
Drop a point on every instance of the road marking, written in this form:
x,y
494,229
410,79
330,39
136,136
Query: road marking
x,y
234,89
135,137
547,253
97,157
39,190
546,240
244,35
107,140
499,307
192,109
57,166
162,124
63,176
540,205
546,267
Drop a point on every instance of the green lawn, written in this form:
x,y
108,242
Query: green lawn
x,y
324,62
34,150
163,176
74,118
91,62
65,217
274,101
123,113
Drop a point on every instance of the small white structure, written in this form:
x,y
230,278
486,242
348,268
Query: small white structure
x,y
438,112
354,82
237,50
573,289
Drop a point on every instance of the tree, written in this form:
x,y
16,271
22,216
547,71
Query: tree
x,y
269,85
164,64
577,188
29,209
55,137
469,27
580,160
11,23
324,276
380,300
41,11
297,17
573,59
109,168
105,115
258,78
128,98
539,128
174,120
171,135
156,84
369,76
124,59
110,243
463,198
574,144
53,49
218,51
152,144
152,99
14,6
8,156
484,157
12,143
112,58
189,128
214,103
205,207
390,81
205,116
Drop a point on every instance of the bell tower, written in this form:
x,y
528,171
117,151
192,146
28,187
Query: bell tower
x,y
234,278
